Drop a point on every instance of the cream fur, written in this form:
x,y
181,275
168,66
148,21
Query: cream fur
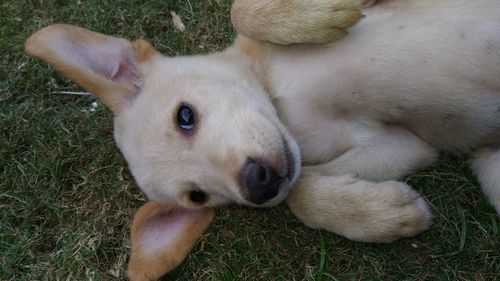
x,y
412,78
295,21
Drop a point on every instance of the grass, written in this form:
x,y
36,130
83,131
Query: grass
x,y
67,198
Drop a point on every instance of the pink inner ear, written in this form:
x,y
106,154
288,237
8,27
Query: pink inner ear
x,y
112,59
165,227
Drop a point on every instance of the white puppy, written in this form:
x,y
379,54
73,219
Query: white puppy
x,y
412,78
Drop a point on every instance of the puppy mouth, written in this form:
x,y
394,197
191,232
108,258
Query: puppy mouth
x,y
289,161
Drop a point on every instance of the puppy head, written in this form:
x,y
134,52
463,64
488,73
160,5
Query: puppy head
x,y
197,132
201,133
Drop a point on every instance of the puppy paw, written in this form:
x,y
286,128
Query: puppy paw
x,y
294,21
360,210
401,213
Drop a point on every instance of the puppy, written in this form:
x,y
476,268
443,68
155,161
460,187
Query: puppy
x,y
339,122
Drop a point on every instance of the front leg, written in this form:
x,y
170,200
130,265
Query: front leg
x,y
359,210
295,21
343,195
381,154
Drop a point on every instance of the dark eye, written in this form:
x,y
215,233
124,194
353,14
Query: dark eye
x,y
198,196
185,118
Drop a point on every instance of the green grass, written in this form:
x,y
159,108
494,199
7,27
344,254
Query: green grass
x,y
67,198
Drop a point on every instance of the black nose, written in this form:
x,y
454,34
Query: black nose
x,y
261,181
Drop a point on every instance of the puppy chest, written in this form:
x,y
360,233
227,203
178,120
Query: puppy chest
x,y
320,135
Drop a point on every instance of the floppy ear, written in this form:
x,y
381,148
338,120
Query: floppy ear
x,y
162,237
107,66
